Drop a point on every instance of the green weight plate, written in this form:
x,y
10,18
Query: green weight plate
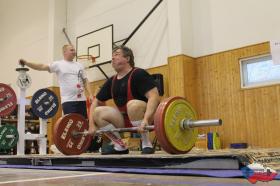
x,y
8,136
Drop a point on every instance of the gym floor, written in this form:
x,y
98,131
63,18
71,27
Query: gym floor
x,y
51,177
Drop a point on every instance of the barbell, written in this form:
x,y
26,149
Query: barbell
x,y
175,126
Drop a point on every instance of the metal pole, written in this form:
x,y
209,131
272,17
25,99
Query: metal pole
x,y
66,35
21,122
43,140
140,24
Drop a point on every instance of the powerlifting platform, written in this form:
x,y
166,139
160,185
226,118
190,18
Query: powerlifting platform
x,y
194,160
218,162
215,163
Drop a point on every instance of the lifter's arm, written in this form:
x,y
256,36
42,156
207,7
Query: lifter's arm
x,y
152,104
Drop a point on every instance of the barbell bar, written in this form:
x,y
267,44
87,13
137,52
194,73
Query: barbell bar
x,y
132,129
185,124
175,126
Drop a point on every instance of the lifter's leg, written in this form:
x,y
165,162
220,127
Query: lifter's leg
x,y
136,110
107,118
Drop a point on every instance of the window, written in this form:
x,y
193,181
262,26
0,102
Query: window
x,y
259,71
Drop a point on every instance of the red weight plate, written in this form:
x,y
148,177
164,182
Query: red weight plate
x,y
159,126
63,138
8,100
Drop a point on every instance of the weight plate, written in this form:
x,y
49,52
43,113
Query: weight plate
x,y
8,100
172,138
44,103
63,138
8,136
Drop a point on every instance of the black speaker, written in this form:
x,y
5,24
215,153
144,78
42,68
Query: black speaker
x,y
159,81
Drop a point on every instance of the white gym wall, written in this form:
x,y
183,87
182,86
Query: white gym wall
x,y
32,29
150,41
24,33
220,25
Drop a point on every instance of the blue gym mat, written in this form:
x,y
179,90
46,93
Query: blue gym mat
x,y
182,172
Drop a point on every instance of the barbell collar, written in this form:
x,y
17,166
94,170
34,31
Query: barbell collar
x,y
189,123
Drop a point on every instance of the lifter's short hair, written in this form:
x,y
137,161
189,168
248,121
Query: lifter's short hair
x,y
127,52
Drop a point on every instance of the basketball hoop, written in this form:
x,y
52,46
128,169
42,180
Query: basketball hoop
x,y
86,60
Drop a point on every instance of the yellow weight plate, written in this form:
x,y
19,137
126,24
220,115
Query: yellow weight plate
x,y
180,139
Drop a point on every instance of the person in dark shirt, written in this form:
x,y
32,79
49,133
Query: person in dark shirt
x,y
136,96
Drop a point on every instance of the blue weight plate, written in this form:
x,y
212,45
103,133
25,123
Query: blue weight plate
x,y
44,103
